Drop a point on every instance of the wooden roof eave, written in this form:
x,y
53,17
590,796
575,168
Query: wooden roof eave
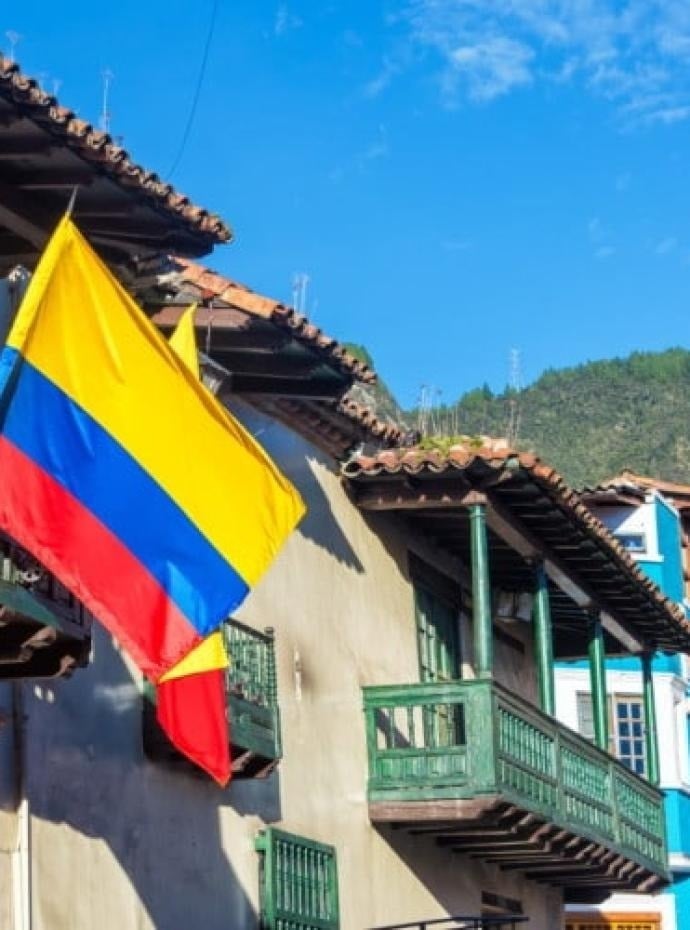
x,y
449,489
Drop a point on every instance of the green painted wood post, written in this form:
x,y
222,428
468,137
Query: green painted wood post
x,y
481,593
597,677
650,730
543,641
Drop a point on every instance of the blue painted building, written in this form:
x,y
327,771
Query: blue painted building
x,y
649,522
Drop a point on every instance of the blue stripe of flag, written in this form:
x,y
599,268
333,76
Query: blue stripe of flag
x,y
75,450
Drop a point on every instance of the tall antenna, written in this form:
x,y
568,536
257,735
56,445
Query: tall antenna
x,y
107,76
300,282
424,409
14,39
515,388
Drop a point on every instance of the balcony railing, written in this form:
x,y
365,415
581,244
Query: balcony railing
x,y
252,699
44,630
252,706
474,740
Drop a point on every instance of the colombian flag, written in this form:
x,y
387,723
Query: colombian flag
x,y
121,473
190,698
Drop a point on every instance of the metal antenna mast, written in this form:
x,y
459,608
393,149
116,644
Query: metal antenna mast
x,y
515,385
13,38
300,282
107,76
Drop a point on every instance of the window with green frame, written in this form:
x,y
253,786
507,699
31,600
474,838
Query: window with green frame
x,y
298,882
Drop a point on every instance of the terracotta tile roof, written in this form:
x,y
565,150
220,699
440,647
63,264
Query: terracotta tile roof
x,y
493,451
213,286
98,148
628,476
489,461
386,432
335,428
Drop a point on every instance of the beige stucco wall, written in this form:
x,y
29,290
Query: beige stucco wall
x,y
120,842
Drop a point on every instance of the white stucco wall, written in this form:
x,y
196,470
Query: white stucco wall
x,y
642,519
669,702
119,842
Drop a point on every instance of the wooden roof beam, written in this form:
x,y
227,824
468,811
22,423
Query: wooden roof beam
x,y
21,215
25,147
53,179
266,386
416,495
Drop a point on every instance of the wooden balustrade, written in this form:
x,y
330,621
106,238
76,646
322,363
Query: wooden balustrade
x,y
433,744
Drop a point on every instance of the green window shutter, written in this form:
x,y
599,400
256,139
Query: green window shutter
x,y
298,882
437,637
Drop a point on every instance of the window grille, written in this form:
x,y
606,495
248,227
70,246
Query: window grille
x,y
298,882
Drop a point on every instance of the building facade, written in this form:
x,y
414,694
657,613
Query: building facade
x,y
650,526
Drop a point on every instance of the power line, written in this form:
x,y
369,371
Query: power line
x,y
197,91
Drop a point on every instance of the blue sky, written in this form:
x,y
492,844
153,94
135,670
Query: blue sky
x,y
456,177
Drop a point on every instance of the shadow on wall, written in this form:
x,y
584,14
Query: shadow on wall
x,y
455,888
87,770
296,459
320,525
458,884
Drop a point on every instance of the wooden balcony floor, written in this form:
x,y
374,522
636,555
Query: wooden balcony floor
x,y
497,832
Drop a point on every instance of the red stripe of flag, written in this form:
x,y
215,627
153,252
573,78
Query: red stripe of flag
x,y
192,712
92,563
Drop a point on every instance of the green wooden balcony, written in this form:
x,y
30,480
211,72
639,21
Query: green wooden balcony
x,y
490,775
45,632
252,707
252,700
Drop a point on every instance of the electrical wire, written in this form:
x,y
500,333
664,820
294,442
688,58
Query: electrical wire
x,y
197,91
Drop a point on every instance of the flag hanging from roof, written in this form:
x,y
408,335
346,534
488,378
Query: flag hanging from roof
x,y
190,697
120,472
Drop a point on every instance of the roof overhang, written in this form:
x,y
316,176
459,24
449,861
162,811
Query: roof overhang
x,y
46,152
532,515
271,355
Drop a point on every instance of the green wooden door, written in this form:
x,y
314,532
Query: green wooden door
x,y
439,661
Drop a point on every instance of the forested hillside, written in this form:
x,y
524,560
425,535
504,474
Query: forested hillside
x,y
589,421
595,419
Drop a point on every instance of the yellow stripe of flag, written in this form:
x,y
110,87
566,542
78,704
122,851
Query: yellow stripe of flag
x,y
245,507
210,654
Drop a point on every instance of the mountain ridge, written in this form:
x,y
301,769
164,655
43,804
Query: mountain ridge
x,y
588,421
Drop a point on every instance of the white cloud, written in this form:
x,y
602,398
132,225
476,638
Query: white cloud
x,y
380,82
379,148
285,20
633,53
599,238
595,229
491,68
664,246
